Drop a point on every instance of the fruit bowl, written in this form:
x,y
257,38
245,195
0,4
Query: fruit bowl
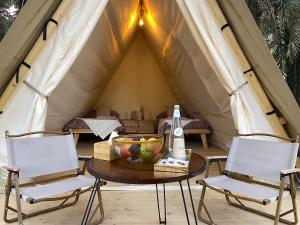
x,y
140,148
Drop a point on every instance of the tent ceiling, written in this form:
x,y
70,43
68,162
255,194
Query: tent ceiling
x,y
185,67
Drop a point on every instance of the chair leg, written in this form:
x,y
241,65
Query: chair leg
x,y
18,200
201,204
277,215
7,195
293,196
100,206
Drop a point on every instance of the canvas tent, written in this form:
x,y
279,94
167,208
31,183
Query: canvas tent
x,y
210,53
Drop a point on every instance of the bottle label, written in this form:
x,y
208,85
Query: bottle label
x,y
179,149
178,131
176,113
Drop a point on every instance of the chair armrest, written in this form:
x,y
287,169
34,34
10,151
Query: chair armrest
x,y
289,171
212,159
84,157
11,168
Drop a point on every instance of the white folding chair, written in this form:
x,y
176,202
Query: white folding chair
x,y
50,160
256,171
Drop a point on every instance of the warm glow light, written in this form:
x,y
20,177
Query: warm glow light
x,y
141,22
167,44
151,21
132,20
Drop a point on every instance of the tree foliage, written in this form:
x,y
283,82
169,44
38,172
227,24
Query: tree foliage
x,y
8,12
279,22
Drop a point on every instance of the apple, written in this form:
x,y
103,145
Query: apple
x,y
145,153
124,152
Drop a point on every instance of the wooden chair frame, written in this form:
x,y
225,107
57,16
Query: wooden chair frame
x,y
238,198
14,182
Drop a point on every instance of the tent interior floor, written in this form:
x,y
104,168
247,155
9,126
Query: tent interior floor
x,y
138,207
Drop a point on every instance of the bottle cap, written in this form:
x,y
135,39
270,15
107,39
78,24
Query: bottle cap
x,y
176,106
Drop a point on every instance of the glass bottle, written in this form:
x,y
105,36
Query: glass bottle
x,y
176,137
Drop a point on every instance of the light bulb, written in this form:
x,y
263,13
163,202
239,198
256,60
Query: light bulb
x,y
141,22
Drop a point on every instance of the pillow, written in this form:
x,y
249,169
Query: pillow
x,y
114,114
163,114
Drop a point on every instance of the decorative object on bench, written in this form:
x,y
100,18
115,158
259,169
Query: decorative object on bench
x,y
32,157
136,148
138,126
256,171
134,115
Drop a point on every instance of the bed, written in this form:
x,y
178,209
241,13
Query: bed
x,y
190,126
93,124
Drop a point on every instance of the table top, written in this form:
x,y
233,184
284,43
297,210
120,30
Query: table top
x,y
121,171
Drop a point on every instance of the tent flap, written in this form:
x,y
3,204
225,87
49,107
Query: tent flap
x,y
260,58
22,35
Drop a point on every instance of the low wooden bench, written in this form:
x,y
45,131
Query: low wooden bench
x,y
77,132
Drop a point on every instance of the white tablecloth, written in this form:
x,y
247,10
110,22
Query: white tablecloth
x,y
102,127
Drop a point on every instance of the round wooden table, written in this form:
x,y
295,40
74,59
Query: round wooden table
x,y
121,171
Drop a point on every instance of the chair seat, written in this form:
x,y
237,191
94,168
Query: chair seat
x,y
33,193
256,191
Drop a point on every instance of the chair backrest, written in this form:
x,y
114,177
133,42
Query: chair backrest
x,y
37,156
261,159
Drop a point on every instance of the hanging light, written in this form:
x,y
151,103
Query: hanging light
x,y
141,14
141,22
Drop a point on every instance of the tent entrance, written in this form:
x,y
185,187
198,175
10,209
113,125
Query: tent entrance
x,y
83,61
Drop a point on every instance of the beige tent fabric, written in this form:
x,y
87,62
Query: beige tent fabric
x,y
247,113
140,77
22,35
92,70
187,70
255,48
27,109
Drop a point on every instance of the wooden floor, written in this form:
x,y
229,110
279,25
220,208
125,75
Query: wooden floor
x,y
138,207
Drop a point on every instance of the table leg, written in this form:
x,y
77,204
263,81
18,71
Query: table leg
x,y
184,203
204,141
192,201
90,203
165,206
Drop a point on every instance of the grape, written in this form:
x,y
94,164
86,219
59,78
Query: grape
x,y
136,139
134,150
